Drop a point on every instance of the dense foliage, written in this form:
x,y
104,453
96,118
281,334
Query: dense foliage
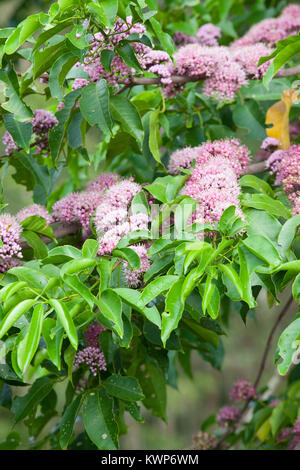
x,y
186,211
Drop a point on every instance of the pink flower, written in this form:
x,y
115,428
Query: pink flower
x,y
9,143
208,34
227,415
270,143
242,391
296,209
134,277
92,357
238,155
214,185
248,56
92,334
10,232
286,164
284,435
35,209
103,181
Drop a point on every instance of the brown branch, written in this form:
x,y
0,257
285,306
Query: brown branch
x,y
232,428
181,80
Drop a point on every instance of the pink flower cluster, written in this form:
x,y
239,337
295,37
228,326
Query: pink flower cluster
x,y
10,232
9,143
42,122
271,30
92,357
227,415
248,56
230,149
242,391
204,441
286,165
205,36
34,209
134,277
79,207
112,218
92,334
214,185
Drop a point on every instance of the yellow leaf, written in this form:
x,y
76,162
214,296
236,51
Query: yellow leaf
x,y
264,431
278,116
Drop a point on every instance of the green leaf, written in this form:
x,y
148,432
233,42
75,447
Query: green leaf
x,y
296,289
126,52
39,247
154,134
28,346
24,31
128,255
99,422
287,346
173,310
58,73
251,181
288,232
133,298
56,135
94,105
20,131
285,50
81,289
14,314
153,385
164,38
23,406
65,319
125,388
34,277
232,275
14,104
157,287
245,280
110,306
68,421
53,341
90,248
165,188
127,115
38,224
266,203
105,11
263,249
78,265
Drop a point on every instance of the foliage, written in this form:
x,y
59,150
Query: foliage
x,y
115,324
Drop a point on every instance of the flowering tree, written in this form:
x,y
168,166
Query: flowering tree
x,y
186,210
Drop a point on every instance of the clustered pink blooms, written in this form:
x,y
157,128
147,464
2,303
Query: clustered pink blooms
x,y
10,232
34,209
208,34
270,144
9,143
238,155
92,357
134,277
227,415
214,185
248,56
271,30
112,218
42,122
92,334
242,391
284,435
296,209
286,165
77,207
205,36
103,181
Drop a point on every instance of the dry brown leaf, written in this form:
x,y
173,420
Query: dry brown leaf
x,y
278,116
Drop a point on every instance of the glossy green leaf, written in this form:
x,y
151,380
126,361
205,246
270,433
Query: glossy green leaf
x,y
28,346
125,388
13,315
65,319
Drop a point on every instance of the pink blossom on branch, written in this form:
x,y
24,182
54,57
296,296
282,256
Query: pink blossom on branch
x,y
34,209
10,232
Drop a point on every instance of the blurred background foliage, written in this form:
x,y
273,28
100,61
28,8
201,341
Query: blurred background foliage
x,y
198,397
